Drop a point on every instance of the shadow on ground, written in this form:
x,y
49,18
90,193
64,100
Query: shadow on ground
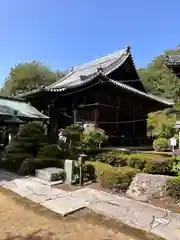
x,y
37,235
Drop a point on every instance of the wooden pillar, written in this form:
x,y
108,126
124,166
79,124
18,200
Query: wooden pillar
x,y
52,127
75,115
134,123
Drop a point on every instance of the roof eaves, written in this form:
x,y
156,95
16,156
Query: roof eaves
x,y
25,94
147,95
98,73
60,80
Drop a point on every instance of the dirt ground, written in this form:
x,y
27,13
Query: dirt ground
x,y
21,219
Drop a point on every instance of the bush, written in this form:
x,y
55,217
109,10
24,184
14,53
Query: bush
x,y
53,151
164,167
137,161
49,151
160,144
93,139
89,172
116,178
148,163
25,145
113,158
173,187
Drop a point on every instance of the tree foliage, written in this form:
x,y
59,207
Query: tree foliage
x,y
26,144
161,124
28,76
158,79
73,133
93,139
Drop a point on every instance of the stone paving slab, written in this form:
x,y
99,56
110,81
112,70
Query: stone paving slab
x,y
64,205
44,194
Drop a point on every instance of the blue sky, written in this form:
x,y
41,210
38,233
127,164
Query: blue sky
x,y
64,33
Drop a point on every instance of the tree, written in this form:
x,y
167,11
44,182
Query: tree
x,y
158,79
26,144
161,125
93,139
28,76
73,134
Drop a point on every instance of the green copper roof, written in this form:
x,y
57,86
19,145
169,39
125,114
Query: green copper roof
x,y
19,108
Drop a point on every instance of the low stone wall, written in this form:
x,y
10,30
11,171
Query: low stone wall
x,y
147,186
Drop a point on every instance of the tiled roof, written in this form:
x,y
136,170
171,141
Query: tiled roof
x,y
172,60
85,72
20,108
143,94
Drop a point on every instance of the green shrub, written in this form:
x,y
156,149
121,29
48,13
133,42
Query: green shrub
x,y
160,144
146,162
113,158
49,151
89,172
116,178
53,151
176,164
173,187
164,167
93,152
25,145
137,161
93,139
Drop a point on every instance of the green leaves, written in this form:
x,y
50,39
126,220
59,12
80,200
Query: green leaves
x,y
158,79
93,139
161,125
28,76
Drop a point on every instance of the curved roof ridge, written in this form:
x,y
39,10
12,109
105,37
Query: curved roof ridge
x,y
107,63
105,59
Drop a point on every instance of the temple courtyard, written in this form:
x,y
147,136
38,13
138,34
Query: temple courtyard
x,y
27,203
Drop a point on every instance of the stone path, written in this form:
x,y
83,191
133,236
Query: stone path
x,y
131,212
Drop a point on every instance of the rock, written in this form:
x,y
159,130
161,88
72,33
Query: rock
x,y
49,174
147,186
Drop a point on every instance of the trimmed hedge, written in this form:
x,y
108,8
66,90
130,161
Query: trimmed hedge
x,y
116,178
52,151
148,163
173,187
159,167
113,158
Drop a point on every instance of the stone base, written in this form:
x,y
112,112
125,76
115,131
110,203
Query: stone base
x,y
49,174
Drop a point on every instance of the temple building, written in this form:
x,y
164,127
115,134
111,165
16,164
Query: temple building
x,y
106,92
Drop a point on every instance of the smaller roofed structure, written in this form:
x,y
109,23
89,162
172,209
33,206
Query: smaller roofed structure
x,y
19,108
173,63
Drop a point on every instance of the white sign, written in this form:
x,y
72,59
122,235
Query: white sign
x,y
88,127
173,142
177,125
